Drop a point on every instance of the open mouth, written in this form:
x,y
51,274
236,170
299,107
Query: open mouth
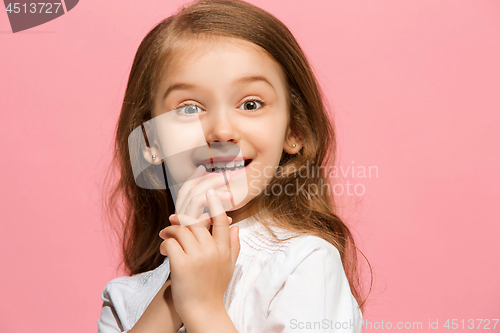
x,y
231,166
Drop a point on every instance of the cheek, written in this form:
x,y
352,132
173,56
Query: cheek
x,y
268,135
178,143
270,146
177,137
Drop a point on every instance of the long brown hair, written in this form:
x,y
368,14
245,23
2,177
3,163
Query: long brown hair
x,y
142,213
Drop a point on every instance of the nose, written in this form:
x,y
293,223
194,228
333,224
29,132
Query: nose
x,y
219,126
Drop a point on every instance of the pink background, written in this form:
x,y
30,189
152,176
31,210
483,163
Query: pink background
x,y
415,86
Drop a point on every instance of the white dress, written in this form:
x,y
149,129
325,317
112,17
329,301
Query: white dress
x,y
298,285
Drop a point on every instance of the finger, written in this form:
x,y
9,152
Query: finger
x,y
235,243
197,203
191,182
183,236
185,220
199,230
220,230
205,218
171,249
203,183
174,219
210,180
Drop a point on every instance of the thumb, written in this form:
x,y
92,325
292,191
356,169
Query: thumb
x,y
234,236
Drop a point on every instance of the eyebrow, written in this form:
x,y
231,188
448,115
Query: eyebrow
x,y
245,79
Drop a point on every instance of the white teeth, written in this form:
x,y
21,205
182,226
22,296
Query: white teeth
x,y
222,165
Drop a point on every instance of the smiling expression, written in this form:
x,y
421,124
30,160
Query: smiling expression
x,y
226,93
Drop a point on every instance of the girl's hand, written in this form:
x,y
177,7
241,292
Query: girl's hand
x,y
191,199
201,264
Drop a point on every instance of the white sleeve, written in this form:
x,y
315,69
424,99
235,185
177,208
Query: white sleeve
x,y
126,298
315,297
109,321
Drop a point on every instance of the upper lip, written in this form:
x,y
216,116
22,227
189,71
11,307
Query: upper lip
x,y
223,159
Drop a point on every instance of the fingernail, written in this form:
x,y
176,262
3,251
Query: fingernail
x,y
211,191
229,194
230,220
173,215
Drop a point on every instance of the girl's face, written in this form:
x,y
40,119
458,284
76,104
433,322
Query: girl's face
x,y
237,94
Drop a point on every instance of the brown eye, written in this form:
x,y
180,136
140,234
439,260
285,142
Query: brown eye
x,y
252,105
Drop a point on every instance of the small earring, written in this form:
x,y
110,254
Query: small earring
x,y
294,145
154,157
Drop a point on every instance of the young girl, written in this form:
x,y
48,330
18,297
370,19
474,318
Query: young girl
x,y
280,260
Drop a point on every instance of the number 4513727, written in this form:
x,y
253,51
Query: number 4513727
x,y
471,324
50,8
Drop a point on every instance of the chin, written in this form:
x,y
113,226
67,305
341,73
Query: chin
x,y
235,208
241,205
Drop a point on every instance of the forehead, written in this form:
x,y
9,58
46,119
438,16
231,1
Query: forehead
x,y
220,58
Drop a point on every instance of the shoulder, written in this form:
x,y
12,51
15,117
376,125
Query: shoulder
x,y
258,235
128,292
311,251
305,283
137,281
285,248
307,258
125,298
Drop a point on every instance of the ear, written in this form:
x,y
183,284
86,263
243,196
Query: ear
x,y
292,144
149,152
